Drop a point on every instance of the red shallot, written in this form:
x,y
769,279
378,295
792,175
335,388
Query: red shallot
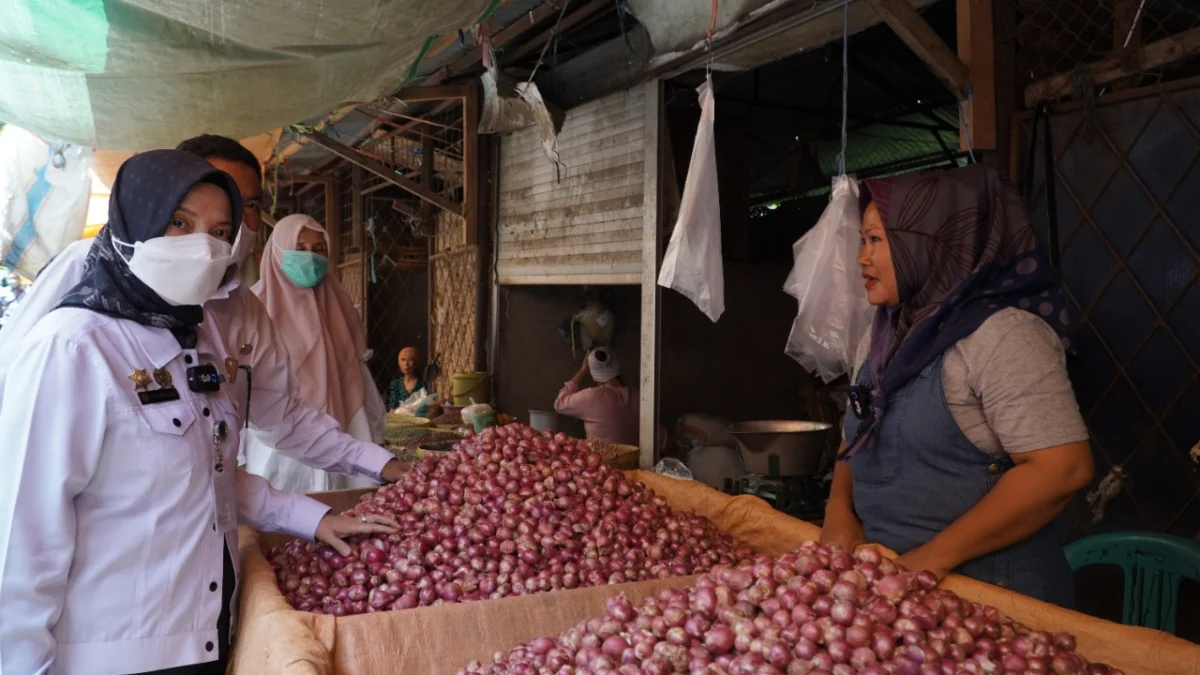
x,y
511,511
868,618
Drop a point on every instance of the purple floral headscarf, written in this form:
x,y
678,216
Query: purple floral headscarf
x,y
963,248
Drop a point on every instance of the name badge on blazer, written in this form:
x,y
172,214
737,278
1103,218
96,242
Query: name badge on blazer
x,y
162,395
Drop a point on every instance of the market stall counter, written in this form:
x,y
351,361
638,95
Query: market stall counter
x,y
274,639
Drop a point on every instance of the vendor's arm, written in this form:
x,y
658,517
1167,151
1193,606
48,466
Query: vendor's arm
x,y
573,399
49,454
1025,500
1026,396
841,526
304,434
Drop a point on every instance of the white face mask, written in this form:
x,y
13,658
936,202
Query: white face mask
x,y
183,270
243,244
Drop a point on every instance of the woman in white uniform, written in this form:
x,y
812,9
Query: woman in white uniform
x,y
327,345
120,495
235,320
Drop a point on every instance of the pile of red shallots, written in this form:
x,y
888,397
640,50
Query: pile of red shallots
x,y
816,611
511,511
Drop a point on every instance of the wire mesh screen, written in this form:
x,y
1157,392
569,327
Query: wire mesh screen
x,y
415,300
1055,36
429,151
399,287
1126,183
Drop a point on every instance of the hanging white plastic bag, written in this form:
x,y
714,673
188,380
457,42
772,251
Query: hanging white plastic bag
x,y
692,265
45,189
834,312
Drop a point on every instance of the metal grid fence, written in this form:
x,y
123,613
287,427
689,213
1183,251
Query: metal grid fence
x,y
1056,36
1126,191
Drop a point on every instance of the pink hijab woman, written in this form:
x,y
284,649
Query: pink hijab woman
x,y
326,343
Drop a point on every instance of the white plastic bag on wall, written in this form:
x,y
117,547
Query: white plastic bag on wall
x,y
834,312
692,265
44,193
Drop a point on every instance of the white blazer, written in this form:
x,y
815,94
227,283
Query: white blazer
x,y
113,513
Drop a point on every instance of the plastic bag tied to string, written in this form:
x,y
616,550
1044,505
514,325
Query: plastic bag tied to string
x,y
693,264
833,313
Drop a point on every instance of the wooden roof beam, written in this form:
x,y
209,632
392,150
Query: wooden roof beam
x,y
336,116
383,171
907,23
1118,66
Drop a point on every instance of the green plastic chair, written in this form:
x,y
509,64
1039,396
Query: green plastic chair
x,y
1154,565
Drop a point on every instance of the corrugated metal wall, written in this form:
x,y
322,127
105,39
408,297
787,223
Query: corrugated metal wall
x,y
581,224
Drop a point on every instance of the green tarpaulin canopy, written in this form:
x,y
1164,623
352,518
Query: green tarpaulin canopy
x,y
140,74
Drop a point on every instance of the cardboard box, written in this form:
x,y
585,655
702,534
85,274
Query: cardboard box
x,y
274,639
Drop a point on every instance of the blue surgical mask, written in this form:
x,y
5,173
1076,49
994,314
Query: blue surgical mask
x,y
304,268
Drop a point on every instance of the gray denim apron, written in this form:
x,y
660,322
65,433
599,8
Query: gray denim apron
x,y
923,474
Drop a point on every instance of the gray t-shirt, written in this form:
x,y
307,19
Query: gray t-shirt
x,y
1007,387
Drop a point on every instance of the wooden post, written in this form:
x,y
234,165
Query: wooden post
x,y
471,163
356,215
474,182
333,219
356,238
429,218
1007,93
648,389
977,49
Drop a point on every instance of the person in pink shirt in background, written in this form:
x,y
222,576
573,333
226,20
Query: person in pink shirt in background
x,y
609,410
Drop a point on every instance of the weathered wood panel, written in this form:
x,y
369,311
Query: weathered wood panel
x,y
579,223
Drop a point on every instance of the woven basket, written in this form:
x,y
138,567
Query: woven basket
x,y
621,457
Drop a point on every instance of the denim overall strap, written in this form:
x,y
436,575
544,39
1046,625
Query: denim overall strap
x,y
923,474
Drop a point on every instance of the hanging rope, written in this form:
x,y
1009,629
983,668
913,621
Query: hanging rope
x,y
841,158
708,38
542,55
374,247
1108,488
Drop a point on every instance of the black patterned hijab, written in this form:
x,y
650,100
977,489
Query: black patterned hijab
x,y
148,189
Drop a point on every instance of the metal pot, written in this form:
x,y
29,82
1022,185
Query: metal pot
x,y
796,445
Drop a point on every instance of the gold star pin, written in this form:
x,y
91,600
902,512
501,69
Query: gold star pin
x,y
162,377
246,349
141,379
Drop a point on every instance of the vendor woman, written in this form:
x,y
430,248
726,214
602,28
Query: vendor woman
x,y
609,410
964,441
410,380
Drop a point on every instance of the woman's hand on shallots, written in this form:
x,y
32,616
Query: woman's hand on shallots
x,y
332,529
